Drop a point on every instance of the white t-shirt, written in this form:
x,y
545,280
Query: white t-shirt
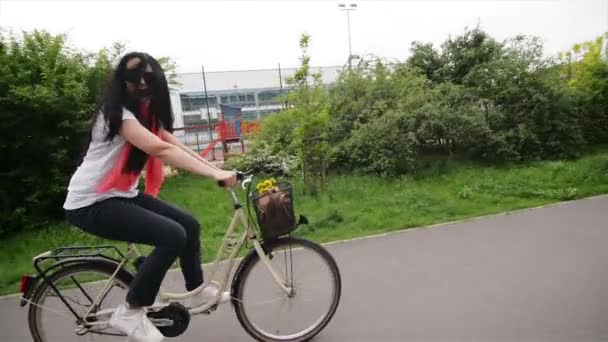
x,y
101,157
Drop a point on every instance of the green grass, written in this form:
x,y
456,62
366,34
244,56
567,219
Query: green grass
x,y
357,205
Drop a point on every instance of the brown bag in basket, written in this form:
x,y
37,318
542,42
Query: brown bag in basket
x,y
276,214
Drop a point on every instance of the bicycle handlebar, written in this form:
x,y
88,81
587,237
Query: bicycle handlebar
x,y
239,177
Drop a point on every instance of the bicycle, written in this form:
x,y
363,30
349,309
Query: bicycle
x,y
83,278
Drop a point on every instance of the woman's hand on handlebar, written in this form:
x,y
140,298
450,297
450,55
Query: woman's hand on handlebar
x,y
225,178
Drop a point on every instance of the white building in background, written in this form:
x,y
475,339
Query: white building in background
x,y
255,91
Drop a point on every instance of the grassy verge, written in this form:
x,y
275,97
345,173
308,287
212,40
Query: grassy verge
x,y
357,205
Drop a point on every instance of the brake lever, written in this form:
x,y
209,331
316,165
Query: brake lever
x,y
246,181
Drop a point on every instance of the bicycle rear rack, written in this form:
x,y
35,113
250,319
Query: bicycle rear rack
x,y
60,257
77,252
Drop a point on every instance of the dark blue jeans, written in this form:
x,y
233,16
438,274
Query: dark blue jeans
x,y
147,220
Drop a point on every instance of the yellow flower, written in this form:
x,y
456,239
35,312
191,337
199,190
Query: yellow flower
x,y
267,185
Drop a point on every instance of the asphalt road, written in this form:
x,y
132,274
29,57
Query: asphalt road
x,y
534,275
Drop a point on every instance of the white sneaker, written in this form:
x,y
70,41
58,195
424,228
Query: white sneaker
x,y
135,324
209,294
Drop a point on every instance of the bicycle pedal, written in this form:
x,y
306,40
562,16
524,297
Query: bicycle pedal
x,y
172,320
80,331
206,312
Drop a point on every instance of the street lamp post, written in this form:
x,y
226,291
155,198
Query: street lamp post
x,y
208,114
347,9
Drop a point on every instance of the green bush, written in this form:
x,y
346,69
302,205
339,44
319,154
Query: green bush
x,y
473,98
530,113
48,94
383,147
585,68
407,119
262,161
46,99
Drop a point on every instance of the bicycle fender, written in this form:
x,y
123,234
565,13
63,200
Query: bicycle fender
x,y
29,290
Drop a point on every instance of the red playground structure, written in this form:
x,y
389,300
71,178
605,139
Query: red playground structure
x,y
229,130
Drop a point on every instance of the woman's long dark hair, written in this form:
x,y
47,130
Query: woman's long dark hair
x,y
116,97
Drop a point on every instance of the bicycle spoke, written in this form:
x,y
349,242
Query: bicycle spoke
x,y
291,264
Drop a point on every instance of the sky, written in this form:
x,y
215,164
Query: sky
x,y
242,35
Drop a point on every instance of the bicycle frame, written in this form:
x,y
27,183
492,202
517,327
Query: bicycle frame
x,y
232,246
229,245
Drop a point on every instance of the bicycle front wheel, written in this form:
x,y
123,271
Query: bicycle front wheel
x,y
266,311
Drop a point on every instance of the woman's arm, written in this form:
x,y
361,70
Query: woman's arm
x,y
170,138
139,136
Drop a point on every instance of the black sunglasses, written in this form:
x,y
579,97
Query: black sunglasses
x,y
135,75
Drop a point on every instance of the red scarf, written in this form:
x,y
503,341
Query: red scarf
x,y
155,174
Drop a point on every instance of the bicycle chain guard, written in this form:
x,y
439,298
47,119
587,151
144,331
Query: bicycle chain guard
x,y
175,312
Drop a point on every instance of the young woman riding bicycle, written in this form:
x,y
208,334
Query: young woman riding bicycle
x,y
132,131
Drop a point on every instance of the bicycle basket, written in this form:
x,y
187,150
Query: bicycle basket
x,y
275,211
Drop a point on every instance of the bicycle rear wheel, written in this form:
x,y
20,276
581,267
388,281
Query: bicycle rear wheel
x,y
50,320
266,312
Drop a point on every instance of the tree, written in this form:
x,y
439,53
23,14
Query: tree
x,y
528,109
463,53
48,94
427,59
170,68
474,97
386,116
300,130
361,94
585,67
44,105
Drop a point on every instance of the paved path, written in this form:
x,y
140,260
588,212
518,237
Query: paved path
x,y
537,275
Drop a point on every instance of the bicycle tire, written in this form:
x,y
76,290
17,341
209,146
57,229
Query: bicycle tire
x,y
249,262
103,267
